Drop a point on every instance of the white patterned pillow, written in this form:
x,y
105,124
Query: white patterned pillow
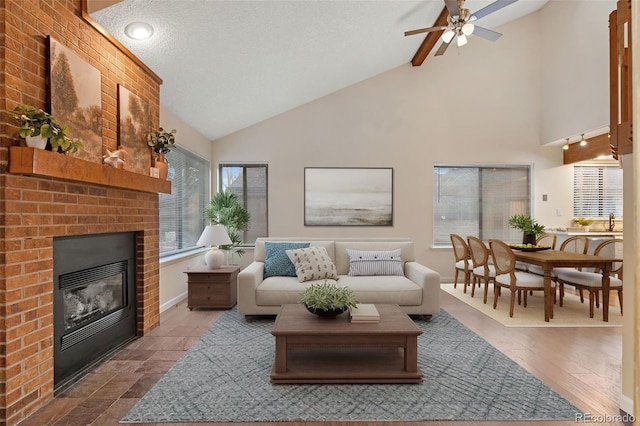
x,y
312,263
378,262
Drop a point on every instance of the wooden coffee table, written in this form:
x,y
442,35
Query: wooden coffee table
x,y
311,349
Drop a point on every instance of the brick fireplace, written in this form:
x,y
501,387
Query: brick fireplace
x,y
44,195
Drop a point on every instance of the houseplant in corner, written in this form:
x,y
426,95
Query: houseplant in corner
x,y
530,228
38,126
162,142
225,209
327,299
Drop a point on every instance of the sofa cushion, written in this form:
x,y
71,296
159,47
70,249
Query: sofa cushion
x,y
312,263
375,262
276,262
259,252
342,257
383,289
276,291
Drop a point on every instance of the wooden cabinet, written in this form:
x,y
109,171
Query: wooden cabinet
x,y
212,288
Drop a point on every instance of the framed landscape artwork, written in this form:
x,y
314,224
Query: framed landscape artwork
x,y
76,99
339,196
133,130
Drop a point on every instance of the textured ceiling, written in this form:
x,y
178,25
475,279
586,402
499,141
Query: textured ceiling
x,y
227,65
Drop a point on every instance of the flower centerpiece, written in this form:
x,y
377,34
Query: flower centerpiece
x,y
530,228
162,142
327,299
37,123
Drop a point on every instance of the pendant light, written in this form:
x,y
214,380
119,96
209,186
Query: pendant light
x,y
566,145
583,141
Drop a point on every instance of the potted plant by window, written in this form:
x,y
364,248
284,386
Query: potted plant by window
x,y
225,209
327,299
38,126
530,228
162,142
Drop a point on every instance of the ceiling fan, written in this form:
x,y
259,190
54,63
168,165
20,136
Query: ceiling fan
x,y
460,24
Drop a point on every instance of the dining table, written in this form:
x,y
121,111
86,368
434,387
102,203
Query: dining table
x,y
549,259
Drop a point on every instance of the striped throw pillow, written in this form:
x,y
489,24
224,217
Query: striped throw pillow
x,y
375,262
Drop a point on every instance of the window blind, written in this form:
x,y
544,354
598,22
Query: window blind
x,y
597,191
182,211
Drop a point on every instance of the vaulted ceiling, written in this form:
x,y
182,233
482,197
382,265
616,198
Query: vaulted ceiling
x,y
227,65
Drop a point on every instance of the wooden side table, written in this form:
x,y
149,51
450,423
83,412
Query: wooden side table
x,y
212,288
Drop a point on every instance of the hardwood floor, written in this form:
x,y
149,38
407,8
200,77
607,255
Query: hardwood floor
x,y
581,364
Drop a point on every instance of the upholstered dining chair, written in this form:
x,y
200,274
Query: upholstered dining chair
x,y
483,271
591,281
547,240
508,277
461,254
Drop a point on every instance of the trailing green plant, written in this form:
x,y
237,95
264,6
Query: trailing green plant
x,y
162,141
37,122
526,224
582,221
327,296
225,209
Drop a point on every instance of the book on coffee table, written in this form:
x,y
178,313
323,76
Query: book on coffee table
x,y
364,312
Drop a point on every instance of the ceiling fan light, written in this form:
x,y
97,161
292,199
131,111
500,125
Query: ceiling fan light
x,y
462,40
467,29
447,36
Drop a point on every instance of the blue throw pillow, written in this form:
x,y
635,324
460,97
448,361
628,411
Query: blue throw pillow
x,y
276,261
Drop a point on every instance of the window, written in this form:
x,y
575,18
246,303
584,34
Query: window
x,y
478,201
597,190
182,211
249,181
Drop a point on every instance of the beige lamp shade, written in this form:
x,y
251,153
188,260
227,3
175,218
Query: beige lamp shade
x,y
214,235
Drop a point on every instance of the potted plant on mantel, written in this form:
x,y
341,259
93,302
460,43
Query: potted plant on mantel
x,y
38,126
530,228
162,142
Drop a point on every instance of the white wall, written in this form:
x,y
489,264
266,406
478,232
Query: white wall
x,y
477,104
575,67
173,280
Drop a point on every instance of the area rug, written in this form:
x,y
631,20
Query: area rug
x,y
573,313
225,377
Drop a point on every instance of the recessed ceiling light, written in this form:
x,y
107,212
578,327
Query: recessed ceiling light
x,y
138,30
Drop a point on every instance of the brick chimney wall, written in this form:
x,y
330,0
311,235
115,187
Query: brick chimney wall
x,y
34,210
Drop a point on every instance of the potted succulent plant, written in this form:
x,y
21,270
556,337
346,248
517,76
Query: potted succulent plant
x,y
327,299
38,126
162,142
530,228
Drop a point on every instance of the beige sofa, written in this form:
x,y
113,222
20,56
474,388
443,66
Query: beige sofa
x,y
417,292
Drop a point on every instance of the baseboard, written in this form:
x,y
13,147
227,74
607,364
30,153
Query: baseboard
x,y
171,303
626,404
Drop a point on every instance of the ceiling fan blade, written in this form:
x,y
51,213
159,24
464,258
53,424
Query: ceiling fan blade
x,y
424,30
486,34
443,48
493,7
452,7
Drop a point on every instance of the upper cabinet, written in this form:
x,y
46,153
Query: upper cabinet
x,y
620,107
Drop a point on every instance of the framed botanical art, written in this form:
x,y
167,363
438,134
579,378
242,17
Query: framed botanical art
x,y
340,196
75,93
133,131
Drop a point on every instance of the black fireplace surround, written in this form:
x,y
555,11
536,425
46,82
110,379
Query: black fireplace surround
x,y
94,300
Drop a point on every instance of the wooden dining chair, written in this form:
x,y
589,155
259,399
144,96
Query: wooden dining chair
x,y
591,281
461,254
547,240
508,277
574,244
483,271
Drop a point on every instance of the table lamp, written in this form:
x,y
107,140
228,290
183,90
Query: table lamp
x,y
214,235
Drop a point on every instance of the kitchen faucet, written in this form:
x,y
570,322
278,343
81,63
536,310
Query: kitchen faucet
x,y
612,222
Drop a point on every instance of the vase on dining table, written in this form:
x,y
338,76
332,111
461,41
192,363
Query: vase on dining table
x,y
529,239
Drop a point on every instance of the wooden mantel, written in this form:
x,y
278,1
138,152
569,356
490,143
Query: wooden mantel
x,y
38,162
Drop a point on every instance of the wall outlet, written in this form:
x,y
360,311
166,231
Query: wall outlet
x,y
558,212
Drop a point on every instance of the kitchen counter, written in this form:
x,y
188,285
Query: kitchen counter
x,y
589,234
